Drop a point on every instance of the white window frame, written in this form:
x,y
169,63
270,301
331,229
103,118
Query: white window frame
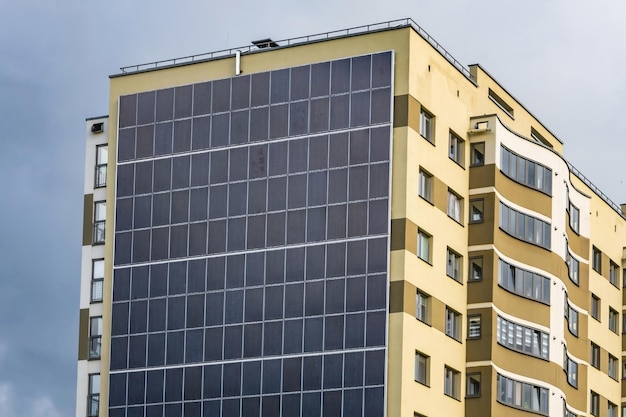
x,y
453,324
422,307
455,206
454,265
425,185
451,386
427,125
424,246
456,148
422,366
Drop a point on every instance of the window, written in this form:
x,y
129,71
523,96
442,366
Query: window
x,y
613,320
477,154
525,171
612,410
623,322
524,227
572,268
521,395
97,279
522,339
451,383
477,211
594,404
93,397
101,166
537,137
427,125
475,268
596,260
571,369
421,368
473,326
422,310
613,364
473,384
524,283
595,355
456,147
453,320
453,265
424,245
426,186
99,218
455,206
572,319
595,307
95,337
574,215
501,103
624,370
613,274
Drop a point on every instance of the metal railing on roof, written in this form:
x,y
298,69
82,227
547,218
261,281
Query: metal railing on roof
x,y
303,40
595,189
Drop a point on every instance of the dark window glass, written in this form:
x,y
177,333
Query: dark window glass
x,y
313,334
198,204
318,152
232,342
232,379
237,198
381,69
157,316
196,275
271,377
219,167
379,180
358,183
175,313
273,302
279,118
335,290
197,238
143,177
145,108
297,191
121,284
333,337
202,98
154,410
141,215
182,101
200,169
336,260
238,164
360,109
314,298
356,257
252,340
353,369
214,308
180,206
278,158
251,378
353,403
201,132
337,186
255,268
319,115
381,106
357,219
273,338
333,366
361,72
254,304
320,79
291,404
275,266
126,144
220,130
376,291
339,111
271,406
295,264
259,124
122,248
217,236
276,191
315,261
374,402
217,201
311,404
359,147
213,341
138,316
195,310
356,336
180,172
177,278
355,294
154,386
311,372
317,188
276,229
379,144
256,232
158,280
241,92
221,95
119,315
215,273
280,86
163,138
377,255
162,175
260,89
117,392
126,180
194,349
374,367
296,225
119,352
340,76
212,381
294,300
338,154
160,243
124,213
175,348
173,410
337,221
258,161
182,136
293,339
236,233
234,307
299,118
145,141
375,334
292,374
165,105
128,110
160,209
156,349
257,196
300,82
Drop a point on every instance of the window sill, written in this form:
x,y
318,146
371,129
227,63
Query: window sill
x,y
424,322
453,397
426,200
426,261
457,162
422,383
456,221
458,281
432,142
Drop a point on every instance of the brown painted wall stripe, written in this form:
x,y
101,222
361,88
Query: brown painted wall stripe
x,y
87,220
83,335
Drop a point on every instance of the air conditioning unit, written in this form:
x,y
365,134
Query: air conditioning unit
x,y
97,127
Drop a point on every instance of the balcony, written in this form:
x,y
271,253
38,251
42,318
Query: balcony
x,y
95,345
98,232
100,176
93,405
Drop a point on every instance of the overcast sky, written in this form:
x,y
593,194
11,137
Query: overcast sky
x,y
563,59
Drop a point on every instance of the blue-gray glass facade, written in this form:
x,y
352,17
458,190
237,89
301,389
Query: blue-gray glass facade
x,y
251,245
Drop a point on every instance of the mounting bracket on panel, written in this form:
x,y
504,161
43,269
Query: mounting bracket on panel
x,y
479,127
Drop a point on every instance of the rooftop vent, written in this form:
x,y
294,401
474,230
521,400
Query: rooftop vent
x,y
97,127
265,43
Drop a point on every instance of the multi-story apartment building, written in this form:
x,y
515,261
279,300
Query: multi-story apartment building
x,y
345,224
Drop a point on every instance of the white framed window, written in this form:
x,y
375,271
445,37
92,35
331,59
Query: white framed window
x,y
612,410
596,260
595,355
99,221
613,367
422,307
453,265
456,148
475,268
477,154
453,324
427,125
613,320
595,307
572,268
424,246
473,326
518,394
100,178
97,280
571,369
421,368
614,274
451,382
594,404
574,217
455,206
93,396
473,384
477,211
425,185
95,337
